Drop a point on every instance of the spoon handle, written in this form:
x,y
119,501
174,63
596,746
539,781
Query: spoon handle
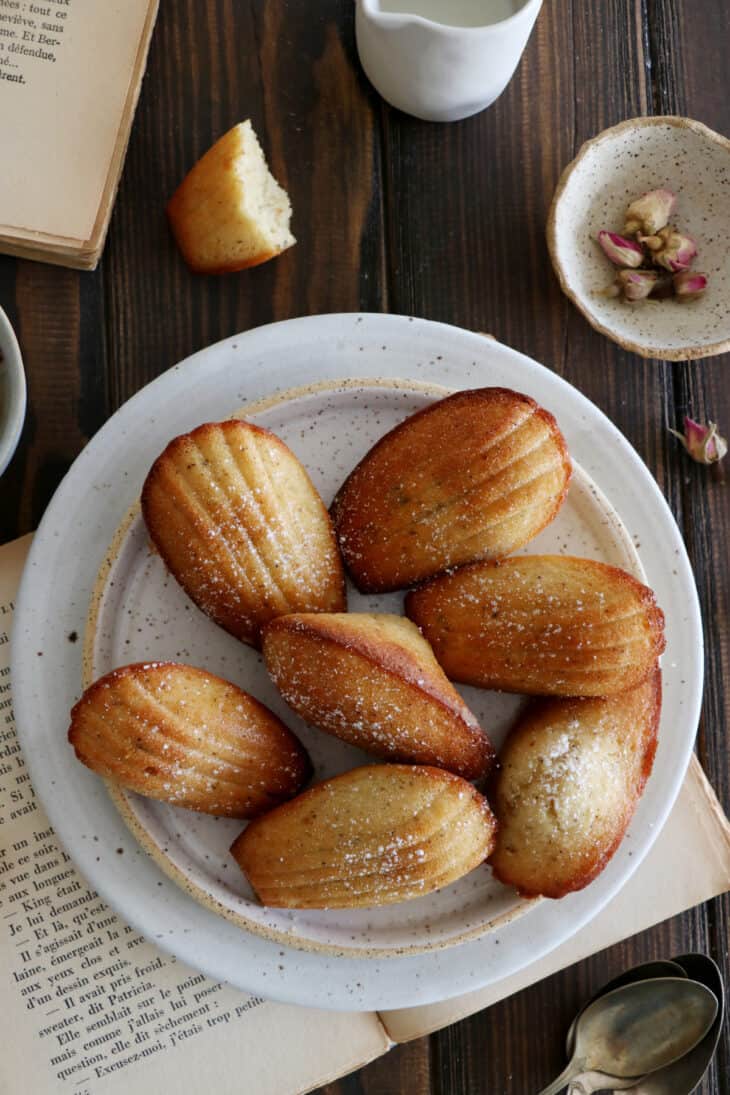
x,y
589,1082
562,1081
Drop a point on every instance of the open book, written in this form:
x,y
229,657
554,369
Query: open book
x,y
70,75
90,1008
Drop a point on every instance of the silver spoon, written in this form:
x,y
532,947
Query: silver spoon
x,y
645,972
638,1029
684,1075
595,1081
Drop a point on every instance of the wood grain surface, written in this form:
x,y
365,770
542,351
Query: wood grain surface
x,y
392,214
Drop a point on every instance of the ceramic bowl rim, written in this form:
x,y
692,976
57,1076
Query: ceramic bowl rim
x,y
11,422
665,353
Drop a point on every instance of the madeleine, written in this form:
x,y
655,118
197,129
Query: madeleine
x,y
239,524
191,739
571,773
373,681
372,836
472,476
229,212
542,624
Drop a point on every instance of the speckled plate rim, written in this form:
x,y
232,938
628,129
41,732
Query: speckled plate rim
x,y
122,799
664,353
74,536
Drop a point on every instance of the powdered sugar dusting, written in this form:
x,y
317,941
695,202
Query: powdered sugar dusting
x,y
372,836
241,527
476,476
542,624
571,774
372,681
182,735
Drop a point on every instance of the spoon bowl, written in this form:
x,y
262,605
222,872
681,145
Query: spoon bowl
x,y
639,1028
645,972
684,1075
643,1027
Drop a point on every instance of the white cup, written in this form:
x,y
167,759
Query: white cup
x,y
441,71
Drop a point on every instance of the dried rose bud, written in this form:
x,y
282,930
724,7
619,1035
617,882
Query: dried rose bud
x,y
637,284
676,252
620,251
650,212
703,443
689,285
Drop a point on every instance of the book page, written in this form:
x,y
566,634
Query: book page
x,y
689,864
90,1008
84,253
65,72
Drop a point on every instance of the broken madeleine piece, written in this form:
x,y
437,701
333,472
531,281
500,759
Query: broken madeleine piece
x,y
373,681
238,522
472,476
541,624
229,212
372,836
189,738
571,773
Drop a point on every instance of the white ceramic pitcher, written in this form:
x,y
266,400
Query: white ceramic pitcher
x,y
447,69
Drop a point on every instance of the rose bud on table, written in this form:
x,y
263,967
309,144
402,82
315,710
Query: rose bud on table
x,y
703,443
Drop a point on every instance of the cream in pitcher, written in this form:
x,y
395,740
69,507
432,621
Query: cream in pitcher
x,y
442,60
454,13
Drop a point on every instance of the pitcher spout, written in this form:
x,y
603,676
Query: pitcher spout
x,y
438,16
388,17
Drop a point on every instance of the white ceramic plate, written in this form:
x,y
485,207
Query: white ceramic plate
x,y
73,541
141,614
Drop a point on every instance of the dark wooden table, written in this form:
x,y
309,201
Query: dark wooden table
x,y
392,214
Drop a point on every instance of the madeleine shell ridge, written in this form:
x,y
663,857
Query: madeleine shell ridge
x,y
372,680
238,522
542,625
187,737
372,836
473,476
571,774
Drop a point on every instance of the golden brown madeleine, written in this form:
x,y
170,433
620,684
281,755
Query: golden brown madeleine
x,y
571,773
238,522
229,212
542,624
182,735
371,836
373,681
473,476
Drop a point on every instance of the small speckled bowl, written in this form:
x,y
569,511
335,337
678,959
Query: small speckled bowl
x,y
594,192
12,392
